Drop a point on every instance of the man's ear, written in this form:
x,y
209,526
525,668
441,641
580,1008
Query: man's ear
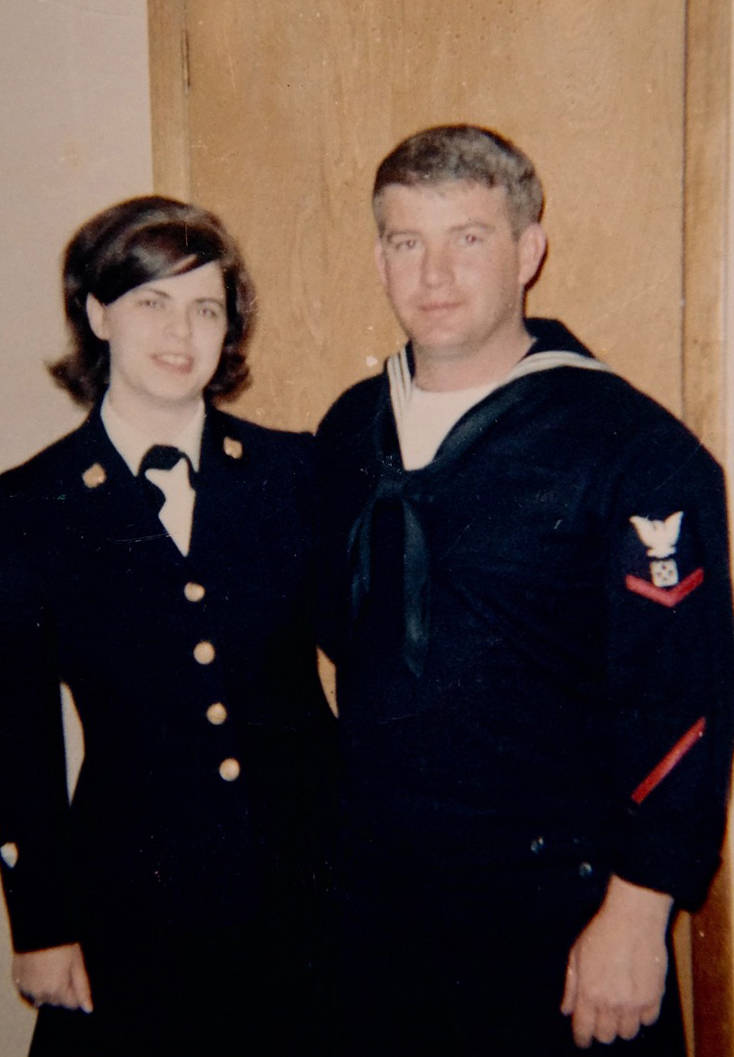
x,y
532,244
380,261
97,316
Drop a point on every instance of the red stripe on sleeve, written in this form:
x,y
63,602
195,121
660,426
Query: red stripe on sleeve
x,y
669,761
666,596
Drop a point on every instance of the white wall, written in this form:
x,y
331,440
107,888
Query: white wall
x,y
74,137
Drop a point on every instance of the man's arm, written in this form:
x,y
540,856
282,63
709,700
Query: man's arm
x,y
615,978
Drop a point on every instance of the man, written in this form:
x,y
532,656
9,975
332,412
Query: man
x,y
531,622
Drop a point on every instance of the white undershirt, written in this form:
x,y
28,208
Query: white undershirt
x,y
427,417
177,512
423,419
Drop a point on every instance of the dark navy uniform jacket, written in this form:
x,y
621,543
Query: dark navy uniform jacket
x,y
204,723
533,632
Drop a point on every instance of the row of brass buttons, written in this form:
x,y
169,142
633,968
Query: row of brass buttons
x,y
204,653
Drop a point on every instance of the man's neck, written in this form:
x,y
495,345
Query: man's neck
x,y
469,368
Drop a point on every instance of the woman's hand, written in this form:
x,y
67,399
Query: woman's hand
x,y
55,976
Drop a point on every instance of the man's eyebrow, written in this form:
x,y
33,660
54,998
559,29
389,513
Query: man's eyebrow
x,y
391,233
473,224
403,232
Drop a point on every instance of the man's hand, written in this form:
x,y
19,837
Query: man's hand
x,y
615,978
55,976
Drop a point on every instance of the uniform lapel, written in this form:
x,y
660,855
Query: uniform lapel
x,y
223,483
111,495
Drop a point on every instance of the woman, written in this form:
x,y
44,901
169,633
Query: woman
x,y
156,561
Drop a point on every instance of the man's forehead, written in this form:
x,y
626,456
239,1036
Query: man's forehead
x,y
399,202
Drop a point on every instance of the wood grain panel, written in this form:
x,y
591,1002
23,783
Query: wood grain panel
x,y
291,108
708,119
168,47
706,346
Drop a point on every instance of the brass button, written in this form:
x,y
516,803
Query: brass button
x,y
232,447
194,592
216,713
94,476
229,769
204,652
9,853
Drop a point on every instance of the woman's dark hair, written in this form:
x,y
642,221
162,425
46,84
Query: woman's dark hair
x,y
135,242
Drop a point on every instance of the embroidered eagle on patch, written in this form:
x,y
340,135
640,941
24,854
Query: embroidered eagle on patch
x,y
660,537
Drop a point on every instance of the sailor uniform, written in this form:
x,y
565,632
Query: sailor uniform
x,y
193,834
534,653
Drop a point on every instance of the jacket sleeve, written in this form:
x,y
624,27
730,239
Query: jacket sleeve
x,y
34,844
669,705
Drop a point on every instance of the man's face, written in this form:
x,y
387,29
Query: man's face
x,y
165,339
452,268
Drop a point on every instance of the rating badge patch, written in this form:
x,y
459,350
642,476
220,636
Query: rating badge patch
x,y
661,538
664,573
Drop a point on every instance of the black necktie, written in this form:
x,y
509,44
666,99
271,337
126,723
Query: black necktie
x,y
162,457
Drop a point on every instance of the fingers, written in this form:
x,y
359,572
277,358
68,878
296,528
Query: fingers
x,y
628,1024
605,1024
650,1014
80,986
583,1025
54,976
61,996
568,1001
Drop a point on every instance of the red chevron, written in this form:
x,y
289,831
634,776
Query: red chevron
x,y
666,596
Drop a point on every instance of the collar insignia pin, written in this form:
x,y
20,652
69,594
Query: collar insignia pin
x,y
94,476
232,447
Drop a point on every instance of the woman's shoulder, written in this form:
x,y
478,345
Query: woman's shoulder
x,y
243,438
48,466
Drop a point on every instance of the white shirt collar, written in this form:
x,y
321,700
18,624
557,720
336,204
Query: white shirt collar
x,y
132,443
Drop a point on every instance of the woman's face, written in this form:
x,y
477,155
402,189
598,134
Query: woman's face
x,y
165,339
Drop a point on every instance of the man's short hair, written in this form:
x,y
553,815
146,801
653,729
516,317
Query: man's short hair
x,y
135,242
468,153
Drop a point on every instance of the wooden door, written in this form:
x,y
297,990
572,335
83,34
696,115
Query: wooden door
x,y
276,114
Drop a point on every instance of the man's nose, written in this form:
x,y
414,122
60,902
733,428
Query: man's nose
x,y
436,265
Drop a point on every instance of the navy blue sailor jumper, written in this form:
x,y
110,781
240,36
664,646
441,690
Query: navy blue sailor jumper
x,y
533,632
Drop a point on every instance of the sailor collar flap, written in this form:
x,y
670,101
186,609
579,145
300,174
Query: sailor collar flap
x,y
409,488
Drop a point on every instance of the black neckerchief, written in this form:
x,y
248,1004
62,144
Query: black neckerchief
x,y
409,488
